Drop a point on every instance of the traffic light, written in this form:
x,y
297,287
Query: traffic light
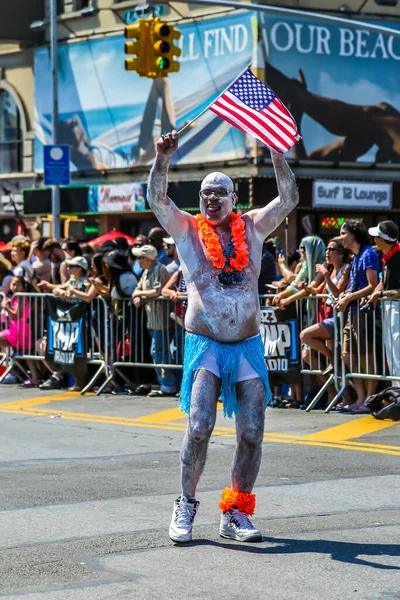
x,y
153,48
141,32
164,51
75,228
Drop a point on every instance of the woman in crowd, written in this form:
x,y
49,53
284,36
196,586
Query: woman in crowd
x,y
332,279
40,262
20,250
71,249
359,343
18,334
98,310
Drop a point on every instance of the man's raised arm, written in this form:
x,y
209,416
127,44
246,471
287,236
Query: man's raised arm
x,y
175,221
268,218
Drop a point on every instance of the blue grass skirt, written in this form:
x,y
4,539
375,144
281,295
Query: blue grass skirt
x,y
228,360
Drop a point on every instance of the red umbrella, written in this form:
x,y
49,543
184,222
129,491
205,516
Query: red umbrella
x,y
110,236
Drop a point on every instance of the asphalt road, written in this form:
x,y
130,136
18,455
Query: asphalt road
x,y
87,487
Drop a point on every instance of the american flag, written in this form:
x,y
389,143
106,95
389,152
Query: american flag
x,y
252,107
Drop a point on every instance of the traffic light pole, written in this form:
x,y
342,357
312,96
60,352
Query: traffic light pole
x,y
55,190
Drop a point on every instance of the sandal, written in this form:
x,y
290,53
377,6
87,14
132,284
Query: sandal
x,y
28,384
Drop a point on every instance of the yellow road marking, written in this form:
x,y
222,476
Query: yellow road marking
x,y
173,414
42,400
333,437
350,430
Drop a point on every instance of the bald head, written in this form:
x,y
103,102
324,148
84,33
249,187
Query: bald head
x,y
156,237
217,180
217,199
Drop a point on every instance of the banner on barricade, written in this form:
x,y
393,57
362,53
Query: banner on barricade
x,y
280,333
66,335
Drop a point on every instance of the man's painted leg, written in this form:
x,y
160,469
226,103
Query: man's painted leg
x,y
238,503
201,421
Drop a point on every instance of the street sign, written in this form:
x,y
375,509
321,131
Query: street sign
x,y
56,165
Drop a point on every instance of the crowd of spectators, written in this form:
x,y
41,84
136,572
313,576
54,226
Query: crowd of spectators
x,y
354,276
348,270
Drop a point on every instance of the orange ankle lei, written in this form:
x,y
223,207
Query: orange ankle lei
x,y
243,501
232,260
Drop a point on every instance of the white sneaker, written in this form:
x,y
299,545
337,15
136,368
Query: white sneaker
x,y
236,525
183,515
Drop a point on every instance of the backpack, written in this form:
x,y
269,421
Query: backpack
x,y
386,404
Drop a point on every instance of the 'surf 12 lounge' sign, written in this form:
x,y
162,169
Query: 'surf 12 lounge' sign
x,y
351,194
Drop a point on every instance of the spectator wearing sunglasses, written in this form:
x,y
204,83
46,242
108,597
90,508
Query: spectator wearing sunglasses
x,y
140,240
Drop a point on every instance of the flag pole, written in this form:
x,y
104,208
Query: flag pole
x,y
211,103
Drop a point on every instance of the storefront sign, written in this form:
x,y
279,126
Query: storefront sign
x,y
351,194
128,197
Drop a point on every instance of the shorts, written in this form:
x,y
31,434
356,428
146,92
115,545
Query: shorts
x,y
356,333
231,363
329,324
209,363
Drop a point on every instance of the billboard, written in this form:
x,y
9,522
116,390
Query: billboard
x,y
340,84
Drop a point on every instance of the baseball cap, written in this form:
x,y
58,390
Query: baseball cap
x,y
169,241
386,230
19,238
145,251
78,261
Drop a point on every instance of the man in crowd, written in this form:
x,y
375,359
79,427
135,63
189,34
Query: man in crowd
x,y
153,279
156,238
220,255
268,267
172,253
386,236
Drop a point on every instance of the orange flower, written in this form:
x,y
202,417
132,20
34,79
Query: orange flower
x,y
213,245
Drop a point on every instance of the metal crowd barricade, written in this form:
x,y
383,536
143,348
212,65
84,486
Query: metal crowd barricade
x,y
313,309
151,336
374,345
31,335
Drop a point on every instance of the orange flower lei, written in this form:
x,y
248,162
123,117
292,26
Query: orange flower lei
x,y
213,245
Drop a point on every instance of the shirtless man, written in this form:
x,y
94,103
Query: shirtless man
x,y
223,344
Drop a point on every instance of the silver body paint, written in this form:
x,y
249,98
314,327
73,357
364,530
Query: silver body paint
x,y
226,314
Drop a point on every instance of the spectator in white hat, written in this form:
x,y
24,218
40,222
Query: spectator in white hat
x,y
172,254
77,267
386,236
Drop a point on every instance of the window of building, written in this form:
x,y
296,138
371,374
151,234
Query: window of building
x,y
60,7
10,134
79,4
